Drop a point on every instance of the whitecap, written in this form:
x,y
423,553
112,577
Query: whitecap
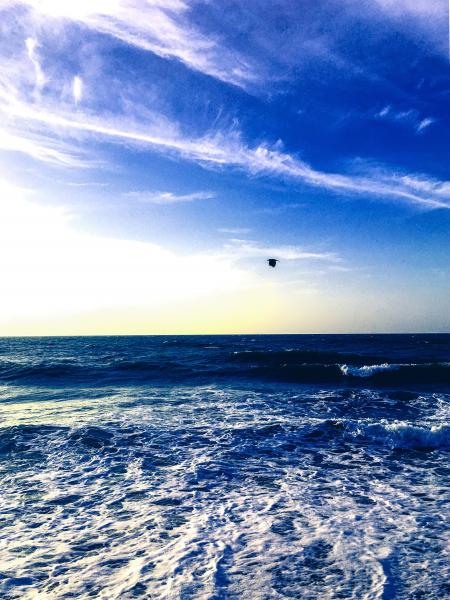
x,y
401,434
367,370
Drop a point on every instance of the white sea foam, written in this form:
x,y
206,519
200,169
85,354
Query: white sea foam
x,y
401,434
368,370
213,492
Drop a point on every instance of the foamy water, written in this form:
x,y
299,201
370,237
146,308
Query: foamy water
x,y
249,489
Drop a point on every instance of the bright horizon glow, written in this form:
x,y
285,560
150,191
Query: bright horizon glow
x,y
62,281
55,272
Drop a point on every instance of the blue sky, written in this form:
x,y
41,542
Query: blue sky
x,y
154,153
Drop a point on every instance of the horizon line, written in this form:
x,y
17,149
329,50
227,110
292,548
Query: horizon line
x,y
105,335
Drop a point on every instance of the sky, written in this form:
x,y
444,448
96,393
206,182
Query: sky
x,y
154,154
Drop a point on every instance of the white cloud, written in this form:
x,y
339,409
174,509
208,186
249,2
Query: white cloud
x,y
168,197
251,249
162,27
57,273
425,123
234,230
419,19
77,89
44,149
422,8
274,49
384,112
31,44
42,127
52,267
227,150
410,118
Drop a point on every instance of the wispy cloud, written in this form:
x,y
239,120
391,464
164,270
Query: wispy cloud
x,y
168,197
251,249
65,270
163,27
44,149
47,127
419,19
410,118
234,230
31,44
203,37
422,8
77,89
226,149
424,123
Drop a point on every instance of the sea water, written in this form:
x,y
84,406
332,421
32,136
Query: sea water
x,y
240,467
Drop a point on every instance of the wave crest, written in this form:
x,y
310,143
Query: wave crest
x,y
368,370
401,434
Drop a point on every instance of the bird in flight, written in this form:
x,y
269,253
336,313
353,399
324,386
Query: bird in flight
x,y
272,262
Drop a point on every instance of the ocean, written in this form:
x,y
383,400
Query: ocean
x,y
225,467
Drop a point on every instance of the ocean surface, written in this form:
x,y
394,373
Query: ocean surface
x,y
225,467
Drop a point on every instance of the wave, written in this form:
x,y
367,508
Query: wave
x,y
204,366
402,434
290,356
384,374
427,373
29,372
309,366
115,371
367,370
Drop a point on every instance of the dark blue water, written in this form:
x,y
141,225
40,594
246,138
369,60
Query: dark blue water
x,y
212,467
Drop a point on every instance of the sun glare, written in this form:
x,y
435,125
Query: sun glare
x,y
52,269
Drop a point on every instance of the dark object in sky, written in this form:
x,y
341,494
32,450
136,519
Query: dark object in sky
x,y
272,262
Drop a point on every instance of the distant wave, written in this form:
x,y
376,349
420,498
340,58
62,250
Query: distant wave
x,y
368,370
218,365
290,356
114,371
384,374
40,371
334,367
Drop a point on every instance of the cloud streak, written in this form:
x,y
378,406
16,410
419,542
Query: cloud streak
x,y
234,230
203,35
250,249
77,89
45,125
419,19
31,44
44,149
162,27
410,118
168,197
221,149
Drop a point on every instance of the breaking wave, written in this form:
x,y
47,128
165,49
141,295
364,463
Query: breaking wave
x,y
367,370
191,371
339,360
402,434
